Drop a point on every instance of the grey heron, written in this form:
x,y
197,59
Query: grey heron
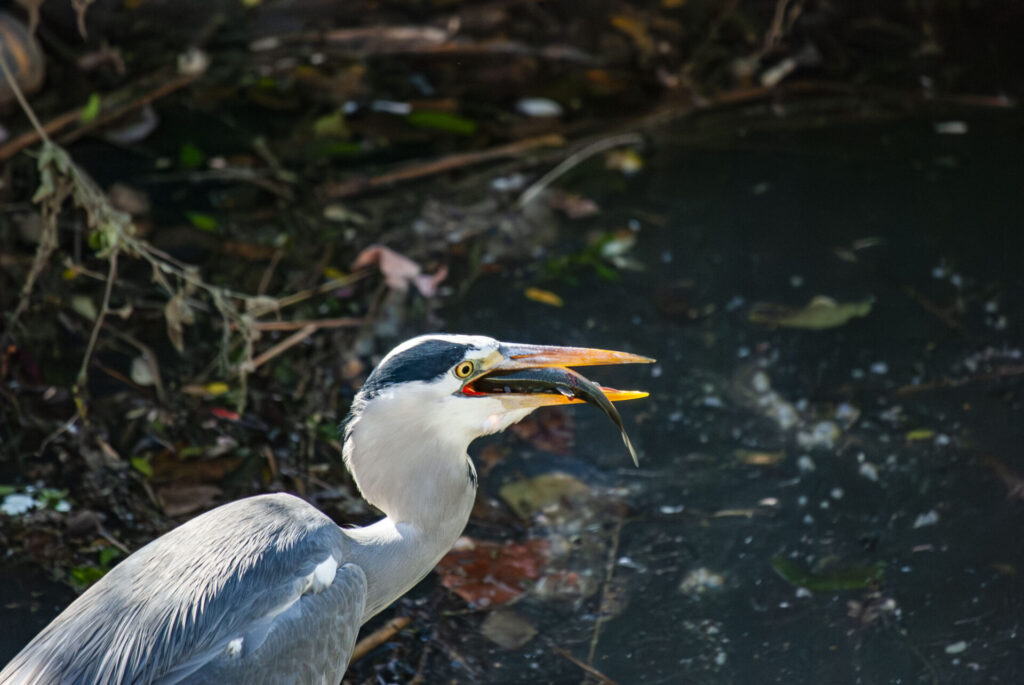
x,y
268,589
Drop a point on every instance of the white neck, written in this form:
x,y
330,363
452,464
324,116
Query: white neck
x,y
422,479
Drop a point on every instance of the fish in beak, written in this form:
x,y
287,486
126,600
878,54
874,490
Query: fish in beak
x,y
540,375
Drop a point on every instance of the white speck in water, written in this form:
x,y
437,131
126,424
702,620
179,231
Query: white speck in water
x,y
760,382
824,504
808,519
957,281
856,373
796,280
951,128
942,440
836,493
869,471
671,508
62,506
929,518
720,659
656,371
805,464
666,257
879,368
712,401
803,592
743,352
991,307
956,647
675,417
801,501
734,303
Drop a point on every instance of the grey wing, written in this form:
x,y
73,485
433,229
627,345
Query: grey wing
x,y
310,643
255,587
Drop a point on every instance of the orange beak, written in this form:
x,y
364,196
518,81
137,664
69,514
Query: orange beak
x,y
523,357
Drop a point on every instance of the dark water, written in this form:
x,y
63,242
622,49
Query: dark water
x,y
758,217
906,485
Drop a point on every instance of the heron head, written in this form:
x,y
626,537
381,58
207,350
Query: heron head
x,y
466,386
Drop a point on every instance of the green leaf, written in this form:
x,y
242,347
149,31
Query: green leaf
x,y
837,578
442,121
190,156
83,576
107,555
204,222
331,126
7,490
91,109
142,465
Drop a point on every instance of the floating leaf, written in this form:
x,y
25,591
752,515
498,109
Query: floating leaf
x,y
507,629
204,222
544,297
837,578
91,109
84,576
920,434
820,313
442,121
490,573
532,495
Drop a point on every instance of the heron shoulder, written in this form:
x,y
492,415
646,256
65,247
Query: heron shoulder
x,y
229,572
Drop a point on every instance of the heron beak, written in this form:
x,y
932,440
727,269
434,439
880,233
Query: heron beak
x,y
530,376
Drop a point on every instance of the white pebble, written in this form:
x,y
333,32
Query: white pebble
x,y
805,464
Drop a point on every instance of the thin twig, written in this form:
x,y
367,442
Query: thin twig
x,y
573,160
358,186
316,324
609,571
291,341
378,637
295,298
83,372
601,677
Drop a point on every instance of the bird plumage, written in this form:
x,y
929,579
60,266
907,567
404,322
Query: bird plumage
x,y
270,590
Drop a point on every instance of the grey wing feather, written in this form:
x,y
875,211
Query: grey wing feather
x,y
252,569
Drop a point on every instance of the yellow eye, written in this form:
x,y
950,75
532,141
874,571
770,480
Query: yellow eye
x,y
464,369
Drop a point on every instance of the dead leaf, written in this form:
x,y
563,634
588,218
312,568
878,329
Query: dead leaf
x,y
399,271
491,573
529,496
820,313
543,296
178,314
506,628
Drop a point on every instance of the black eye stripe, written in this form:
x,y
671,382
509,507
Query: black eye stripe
x,y
423,362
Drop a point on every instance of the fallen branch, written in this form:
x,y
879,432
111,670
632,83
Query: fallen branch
x,y
40,131
575,159
378,637
358,186
946,383
316,324
289,342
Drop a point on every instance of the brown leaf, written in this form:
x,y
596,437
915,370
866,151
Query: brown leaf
x,y
490,573
399,271
178,314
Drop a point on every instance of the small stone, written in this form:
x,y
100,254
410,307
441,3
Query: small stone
x,y
869,471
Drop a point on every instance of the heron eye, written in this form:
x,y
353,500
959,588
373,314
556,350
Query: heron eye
x,y
464,369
